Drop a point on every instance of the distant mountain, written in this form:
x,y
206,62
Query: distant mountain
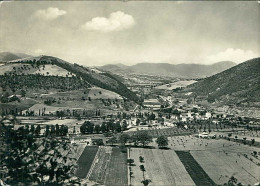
x,y
48,67
166,69
240,83
22,55
8,56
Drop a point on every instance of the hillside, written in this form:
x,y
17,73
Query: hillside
x,y
238,84
45,67
171,70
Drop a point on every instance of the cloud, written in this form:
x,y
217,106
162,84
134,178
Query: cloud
x,y
115,22
231,54
49,13
2,2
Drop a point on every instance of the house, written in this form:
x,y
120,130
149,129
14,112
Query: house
x,y
204,135
81,140
208,115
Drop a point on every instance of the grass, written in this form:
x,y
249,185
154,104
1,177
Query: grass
x,y
85,161
163,167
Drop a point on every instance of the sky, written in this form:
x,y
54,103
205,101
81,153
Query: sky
x,y
95,33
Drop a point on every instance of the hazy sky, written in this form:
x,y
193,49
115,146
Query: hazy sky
x,y
97,33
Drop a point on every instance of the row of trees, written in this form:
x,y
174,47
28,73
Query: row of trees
x,y
141,138
111,126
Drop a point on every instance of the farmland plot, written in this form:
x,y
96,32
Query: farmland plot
x,y
198,175
221,166
110,167
163,167
85,161
98,173
117,169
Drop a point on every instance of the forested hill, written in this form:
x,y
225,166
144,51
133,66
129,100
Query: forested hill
x,y
91,76
240,83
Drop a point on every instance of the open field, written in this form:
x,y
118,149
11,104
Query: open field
x,y
176,84
85,161
198,175
52,70
220,166
110,167
220,158
163,167
99,93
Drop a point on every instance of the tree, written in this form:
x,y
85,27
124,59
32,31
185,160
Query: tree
x,y
142,169
38,130
103,127
23,93
112,140
117,127
143,137
124,125
162,141
97,128
47,131
87,127
130,162
146,182
32,129
141,159
57,130
123,139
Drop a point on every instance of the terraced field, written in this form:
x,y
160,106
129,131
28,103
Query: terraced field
x,y
85,161
163,167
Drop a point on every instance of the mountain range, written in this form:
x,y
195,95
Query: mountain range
x,y
8,56
170,70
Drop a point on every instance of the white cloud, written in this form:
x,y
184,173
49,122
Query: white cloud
x,y
2,2
49,13
231,54
115,22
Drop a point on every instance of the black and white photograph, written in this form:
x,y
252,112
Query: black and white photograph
x,y
129,93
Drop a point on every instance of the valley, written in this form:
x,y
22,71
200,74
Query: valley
x,y
112,123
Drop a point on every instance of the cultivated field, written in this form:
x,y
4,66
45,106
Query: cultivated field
x,y
85,161
221,165
110,167
163,167
220,159
173,131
